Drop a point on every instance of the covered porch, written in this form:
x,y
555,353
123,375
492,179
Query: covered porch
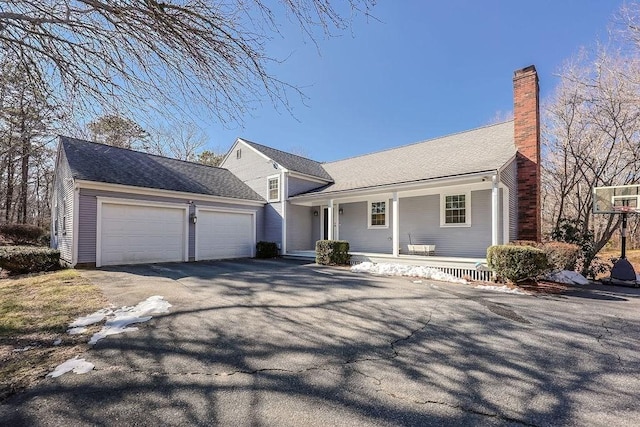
x,y
460,216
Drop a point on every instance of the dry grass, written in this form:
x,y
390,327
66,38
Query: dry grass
x,y
35,311
632,255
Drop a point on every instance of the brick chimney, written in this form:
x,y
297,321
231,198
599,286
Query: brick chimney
x,y
526,126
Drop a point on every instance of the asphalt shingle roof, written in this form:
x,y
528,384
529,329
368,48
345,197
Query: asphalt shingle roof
x,y
103,163
292,162
478,150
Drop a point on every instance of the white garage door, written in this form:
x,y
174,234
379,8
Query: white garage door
x,y
224,235
134,234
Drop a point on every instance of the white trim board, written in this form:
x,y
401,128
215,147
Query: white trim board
x,y
154,192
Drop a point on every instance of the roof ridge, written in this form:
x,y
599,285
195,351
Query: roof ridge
x,y
418,142
140,152
281,151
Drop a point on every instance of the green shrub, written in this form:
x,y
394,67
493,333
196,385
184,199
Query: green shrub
x,y
517,263
266,250
22,234
28,259
561,255
332,252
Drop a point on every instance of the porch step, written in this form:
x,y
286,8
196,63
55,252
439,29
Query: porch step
x,y
304,257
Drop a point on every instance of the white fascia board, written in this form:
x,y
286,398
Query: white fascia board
x,y
434,184
261,154
163,193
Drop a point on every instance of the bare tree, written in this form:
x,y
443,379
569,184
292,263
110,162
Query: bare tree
x,y
156,53
591,138
179,140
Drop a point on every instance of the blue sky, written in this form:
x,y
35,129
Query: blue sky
x,y
423,70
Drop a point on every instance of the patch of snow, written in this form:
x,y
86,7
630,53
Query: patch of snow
x,y
78,366
58,341
23,349
417,282
502,288
389,269
91,319
567,277
120,319
77,330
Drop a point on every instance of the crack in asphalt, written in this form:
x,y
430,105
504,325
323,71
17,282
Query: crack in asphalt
x,y
600,337
462,408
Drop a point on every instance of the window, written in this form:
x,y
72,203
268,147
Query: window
x,y
239,154
456,210
64,216
273,189
378,217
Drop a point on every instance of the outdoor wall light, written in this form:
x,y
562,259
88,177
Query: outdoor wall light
x,y
340,211
193,218
315,213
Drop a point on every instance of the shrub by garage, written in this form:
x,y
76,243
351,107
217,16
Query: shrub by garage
x,y
28,259
517,263
22,234
332,252
266,250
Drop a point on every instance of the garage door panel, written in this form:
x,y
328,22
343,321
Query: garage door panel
x,y
224,235
133,234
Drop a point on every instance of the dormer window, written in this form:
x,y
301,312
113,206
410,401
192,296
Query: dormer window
x,y
273,189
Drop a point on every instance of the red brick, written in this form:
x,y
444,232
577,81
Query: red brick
x,y
526,115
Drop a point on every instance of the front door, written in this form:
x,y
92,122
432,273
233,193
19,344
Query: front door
x,y
325,225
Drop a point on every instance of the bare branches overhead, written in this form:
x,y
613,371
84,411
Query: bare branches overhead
x,y
153,53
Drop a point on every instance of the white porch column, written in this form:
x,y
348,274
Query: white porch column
x,y
336,209
495,224
284,185
396,224
330,220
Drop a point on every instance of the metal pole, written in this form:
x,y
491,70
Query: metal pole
x,y
624,235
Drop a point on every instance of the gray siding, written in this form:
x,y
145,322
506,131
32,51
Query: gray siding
x,y
88,218
508,177
315,226
253,169
62,196
353,228
299,186
273,222
299,228
420,216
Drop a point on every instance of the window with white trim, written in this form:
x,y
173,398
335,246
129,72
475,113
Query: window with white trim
x,y
455,210
273,189
377,214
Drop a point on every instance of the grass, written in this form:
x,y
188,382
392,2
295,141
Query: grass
x,y
36,310
632,255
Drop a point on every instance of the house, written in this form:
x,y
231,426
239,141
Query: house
x,y
461,193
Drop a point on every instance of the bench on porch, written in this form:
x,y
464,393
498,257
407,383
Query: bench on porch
x,y
422,249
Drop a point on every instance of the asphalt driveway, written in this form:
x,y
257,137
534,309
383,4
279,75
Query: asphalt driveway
x,y
265,343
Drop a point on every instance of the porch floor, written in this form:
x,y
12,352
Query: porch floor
x,y
457,266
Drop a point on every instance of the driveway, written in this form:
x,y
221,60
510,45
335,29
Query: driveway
x,y
260,343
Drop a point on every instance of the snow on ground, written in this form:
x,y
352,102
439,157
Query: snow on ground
x,y
502,288
567,277
389,269
119,320
78,366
